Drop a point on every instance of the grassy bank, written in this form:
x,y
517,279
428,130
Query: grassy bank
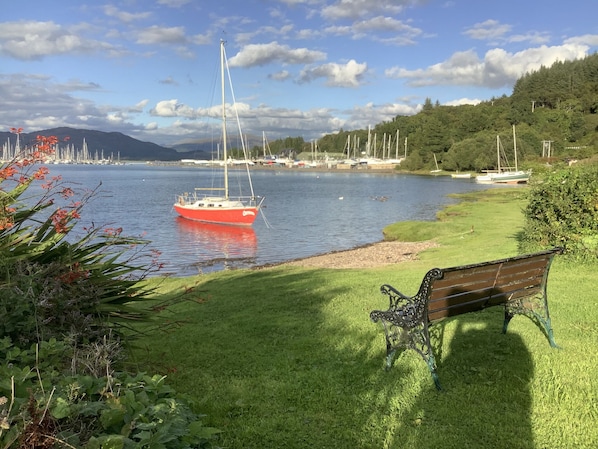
x,y
287,357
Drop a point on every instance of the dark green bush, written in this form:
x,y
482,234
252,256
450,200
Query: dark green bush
x,y
39,403
563,211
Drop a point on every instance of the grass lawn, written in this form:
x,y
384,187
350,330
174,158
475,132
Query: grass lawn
x,y
288,358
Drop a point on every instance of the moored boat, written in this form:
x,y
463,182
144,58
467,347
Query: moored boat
x,y
202,205
502,175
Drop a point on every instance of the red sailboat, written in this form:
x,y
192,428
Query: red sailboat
x,y
202,204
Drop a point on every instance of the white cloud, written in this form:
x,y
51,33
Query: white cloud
x,y
586,39
282,31
161,35
488,30
462,101
263,54
139,107
172,108
362,116
27,40
123,16
377,27
337,75
50,104
280,76
499,68
173,3
355,9
498,33
169,80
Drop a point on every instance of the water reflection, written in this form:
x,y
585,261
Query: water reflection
x,y
213,246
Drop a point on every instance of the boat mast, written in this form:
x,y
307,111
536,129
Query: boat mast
x,y
515,147
498,153
224,152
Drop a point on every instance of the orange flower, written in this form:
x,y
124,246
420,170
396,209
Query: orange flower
x,y
41,173
7,172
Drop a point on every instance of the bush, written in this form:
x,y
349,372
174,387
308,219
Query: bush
x,y
66,303
563,211
51,285
43,407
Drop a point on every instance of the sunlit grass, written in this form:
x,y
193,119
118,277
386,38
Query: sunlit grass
x,y
287,357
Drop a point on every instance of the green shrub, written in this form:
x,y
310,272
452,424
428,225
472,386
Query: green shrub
x,y
39,403
563,211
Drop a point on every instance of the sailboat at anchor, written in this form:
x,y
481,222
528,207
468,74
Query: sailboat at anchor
x,y
202,205
505,175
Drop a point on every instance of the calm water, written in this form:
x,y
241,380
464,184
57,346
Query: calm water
x,y
306,213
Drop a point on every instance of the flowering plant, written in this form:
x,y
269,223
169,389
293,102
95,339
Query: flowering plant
x,y
52,283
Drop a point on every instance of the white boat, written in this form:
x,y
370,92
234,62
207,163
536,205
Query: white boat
x,y
202,205
505,175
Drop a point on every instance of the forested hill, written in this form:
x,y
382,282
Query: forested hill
x,y
554,108
565,85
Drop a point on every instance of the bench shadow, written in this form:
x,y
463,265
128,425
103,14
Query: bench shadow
x,y
484,373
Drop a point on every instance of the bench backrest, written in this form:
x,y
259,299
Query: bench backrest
x,y
474,287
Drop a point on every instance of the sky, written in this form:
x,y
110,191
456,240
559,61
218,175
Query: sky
x,y
149,68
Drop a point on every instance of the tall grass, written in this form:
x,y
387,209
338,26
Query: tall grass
x,y
287,357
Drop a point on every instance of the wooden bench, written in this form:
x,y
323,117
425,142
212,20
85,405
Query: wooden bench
x,y
518,283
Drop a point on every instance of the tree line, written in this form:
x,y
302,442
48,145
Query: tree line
x,y
554,108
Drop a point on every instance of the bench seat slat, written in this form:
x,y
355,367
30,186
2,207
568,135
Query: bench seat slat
x,y
503,285
469,301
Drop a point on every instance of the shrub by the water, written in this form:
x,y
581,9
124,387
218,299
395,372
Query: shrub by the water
x,y
563,211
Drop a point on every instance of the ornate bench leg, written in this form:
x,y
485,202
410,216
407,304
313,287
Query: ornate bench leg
x,y
432,367
421,344
541,319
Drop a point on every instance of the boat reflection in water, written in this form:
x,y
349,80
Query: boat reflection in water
x,y
211,247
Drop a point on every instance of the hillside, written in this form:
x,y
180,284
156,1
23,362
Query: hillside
x,y
554,108
108,143
119,145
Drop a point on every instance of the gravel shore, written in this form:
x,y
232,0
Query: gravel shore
x,y
368,256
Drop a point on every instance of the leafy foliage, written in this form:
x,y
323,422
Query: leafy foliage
x,y
118,410
563,211
66,304
50,286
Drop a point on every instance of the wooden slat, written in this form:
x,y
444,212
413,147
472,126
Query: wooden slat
x,y
475,287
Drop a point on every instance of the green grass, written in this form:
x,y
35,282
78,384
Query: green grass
x,y
287,357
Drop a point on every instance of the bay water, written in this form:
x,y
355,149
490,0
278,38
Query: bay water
x,y
305,213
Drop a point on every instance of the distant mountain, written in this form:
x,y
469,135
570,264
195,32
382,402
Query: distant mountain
x,y
117,144
208,148
197,150
113,144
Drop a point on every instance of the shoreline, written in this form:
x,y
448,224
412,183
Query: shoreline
x,y
383,169
371,255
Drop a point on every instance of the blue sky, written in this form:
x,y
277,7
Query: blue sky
x,y
148,68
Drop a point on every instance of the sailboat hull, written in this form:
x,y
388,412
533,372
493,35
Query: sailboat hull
x,y
222,211
504,178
